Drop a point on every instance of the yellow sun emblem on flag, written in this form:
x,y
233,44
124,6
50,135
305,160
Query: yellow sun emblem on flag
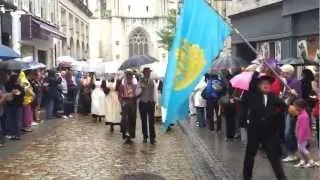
x,y
190,63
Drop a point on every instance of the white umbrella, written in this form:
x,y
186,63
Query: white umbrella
x,y
80,66
94,64
65,60
109,67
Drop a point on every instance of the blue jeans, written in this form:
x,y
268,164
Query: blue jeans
x,y
289,133
201,116
50,108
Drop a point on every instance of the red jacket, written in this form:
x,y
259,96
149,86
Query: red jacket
x,y
276,87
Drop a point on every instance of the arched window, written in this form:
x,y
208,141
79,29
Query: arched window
x,y
138,43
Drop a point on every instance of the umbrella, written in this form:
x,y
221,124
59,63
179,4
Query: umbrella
x,y
137,61
35,65
242,81
65,61
229,62
80,66
7,53
109,67
28,59
13,65
94,64
299,62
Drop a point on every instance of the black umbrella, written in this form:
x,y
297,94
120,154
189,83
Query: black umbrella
x,y
229,62
13,65
137,61
299,62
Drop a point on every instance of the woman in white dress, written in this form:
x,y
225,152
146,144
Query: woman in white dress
x,y
113,107
98,104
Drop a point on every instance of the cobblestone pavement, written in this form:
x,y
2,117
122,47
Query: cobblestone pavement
x,y
226,158
81,149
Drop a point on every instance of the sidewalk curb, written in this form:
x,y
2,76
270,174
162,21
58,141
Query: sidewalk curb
x,y
218,170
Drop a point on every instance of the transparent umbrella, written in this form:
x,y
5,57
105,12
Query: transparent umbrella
x,y
229,62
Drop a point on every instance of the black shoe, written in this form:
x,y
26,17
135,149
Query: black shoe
x,y
111,128
15,138
145,140
152,141
128,141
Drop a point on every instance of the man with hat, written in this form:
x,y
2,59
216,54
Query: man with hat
x,y
128,94
258,110
147,106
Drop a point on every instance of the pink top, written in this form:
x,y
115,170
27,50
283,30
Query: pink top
x,y
303,130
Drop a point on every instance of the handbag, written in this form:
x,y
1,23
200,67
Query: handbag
x,y
204,93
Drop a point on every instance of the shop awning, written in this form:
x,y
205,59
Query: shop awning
x,y
50,29
32,27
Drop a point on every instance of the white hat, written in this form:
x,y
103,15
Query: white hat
x,y
287,68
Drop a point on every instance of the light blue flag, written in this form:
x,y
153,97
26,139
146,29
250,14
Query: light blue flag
x,y
199,38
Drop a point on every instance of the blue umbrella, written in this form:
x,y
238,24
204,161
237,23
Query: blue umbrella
x,y
7,53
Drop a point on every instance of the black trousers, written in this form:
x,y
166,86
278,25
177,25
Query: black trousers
x,y
147,119
270,142
230,117
128,122
2,129
213,107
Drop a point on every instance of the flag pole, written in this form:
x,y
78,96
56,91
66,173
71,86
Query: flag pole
x,y
251,47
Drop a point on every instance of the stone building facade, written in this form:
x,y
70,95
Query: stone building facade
x,y
74,18
122,28
35,28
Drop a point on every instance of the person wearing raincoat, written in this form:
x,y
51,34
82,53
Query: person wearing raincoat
x,y
27,100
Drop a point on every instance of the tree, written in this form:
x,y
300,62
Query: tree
x,y
167,33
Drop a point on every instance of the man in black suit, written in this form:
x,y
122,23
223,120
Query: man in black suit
x,y
259,108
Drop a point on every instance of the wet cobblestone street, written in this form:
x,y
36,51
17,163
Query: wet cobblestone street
x,y
81,149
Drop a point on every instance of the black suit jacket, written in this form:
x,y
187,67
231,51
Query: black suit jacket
x,y
254,113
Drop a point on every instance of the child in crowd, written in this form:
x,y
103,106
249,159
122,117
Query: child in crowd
x,y
303,134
